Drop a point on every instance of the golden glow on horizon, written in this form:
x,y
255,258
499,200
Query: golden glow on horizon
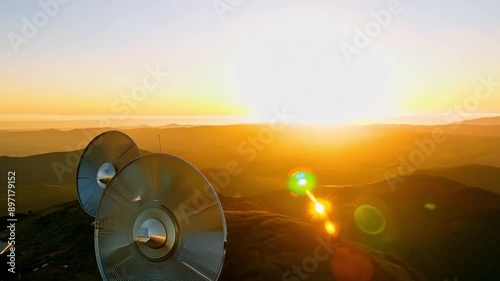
x,y
279,56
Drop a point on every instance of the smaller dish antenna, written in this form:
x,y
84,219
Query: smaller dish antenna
x,y
105,155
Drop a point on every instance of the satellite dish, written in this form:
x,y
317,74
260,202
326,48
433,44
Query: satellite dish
x,y
105,155
159,219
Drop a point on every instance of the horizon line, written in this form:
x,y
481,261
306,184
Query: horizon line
x,y
22,121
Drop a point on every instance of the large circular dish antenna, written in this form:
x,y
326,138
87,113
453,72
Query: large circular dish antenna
x,y
105,155
159,219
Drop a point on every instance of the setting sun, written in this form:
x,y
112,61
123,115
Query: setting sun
x,y
259,59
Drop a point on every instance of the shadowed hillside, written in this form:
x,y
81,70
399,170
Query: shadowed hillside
x,y
485,177
434,224
43,168
439,227
261,246
264,246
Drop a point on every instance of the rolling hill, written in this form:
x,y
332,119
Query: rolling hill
x,y
436,225
261,246
486,177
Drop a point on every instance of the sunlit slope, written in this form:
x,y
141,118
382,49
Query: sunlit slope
x,y
337,154
488,121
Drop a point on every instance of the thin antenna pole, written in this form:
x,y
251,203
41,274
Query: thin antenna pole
x,y
159,142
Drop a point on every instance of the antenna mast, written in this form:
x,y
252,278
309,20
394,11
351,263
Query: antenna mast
x,y
159,141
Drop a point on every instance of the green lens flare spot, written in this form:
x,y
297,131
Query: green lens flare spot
x,y
430,206
301,181
369,219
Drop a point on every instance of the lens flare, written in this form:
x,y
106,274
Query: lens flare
x,y
320,209
351,263
330,228
301,181
430,206
369,219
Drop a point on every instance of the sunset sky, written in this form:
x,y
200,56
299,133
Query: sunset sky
x,y
255,57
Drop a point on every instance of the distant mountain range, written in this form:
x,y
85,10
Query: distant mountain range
x,y
487,121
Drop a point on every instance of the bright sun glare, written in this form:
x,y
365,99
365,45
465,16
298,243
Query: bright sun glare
x,y
320,208
279,69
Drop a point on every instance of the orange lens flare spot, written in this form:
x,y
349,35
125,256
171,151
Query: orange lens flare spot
x,y
319,208
299,169
330,228
352,264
